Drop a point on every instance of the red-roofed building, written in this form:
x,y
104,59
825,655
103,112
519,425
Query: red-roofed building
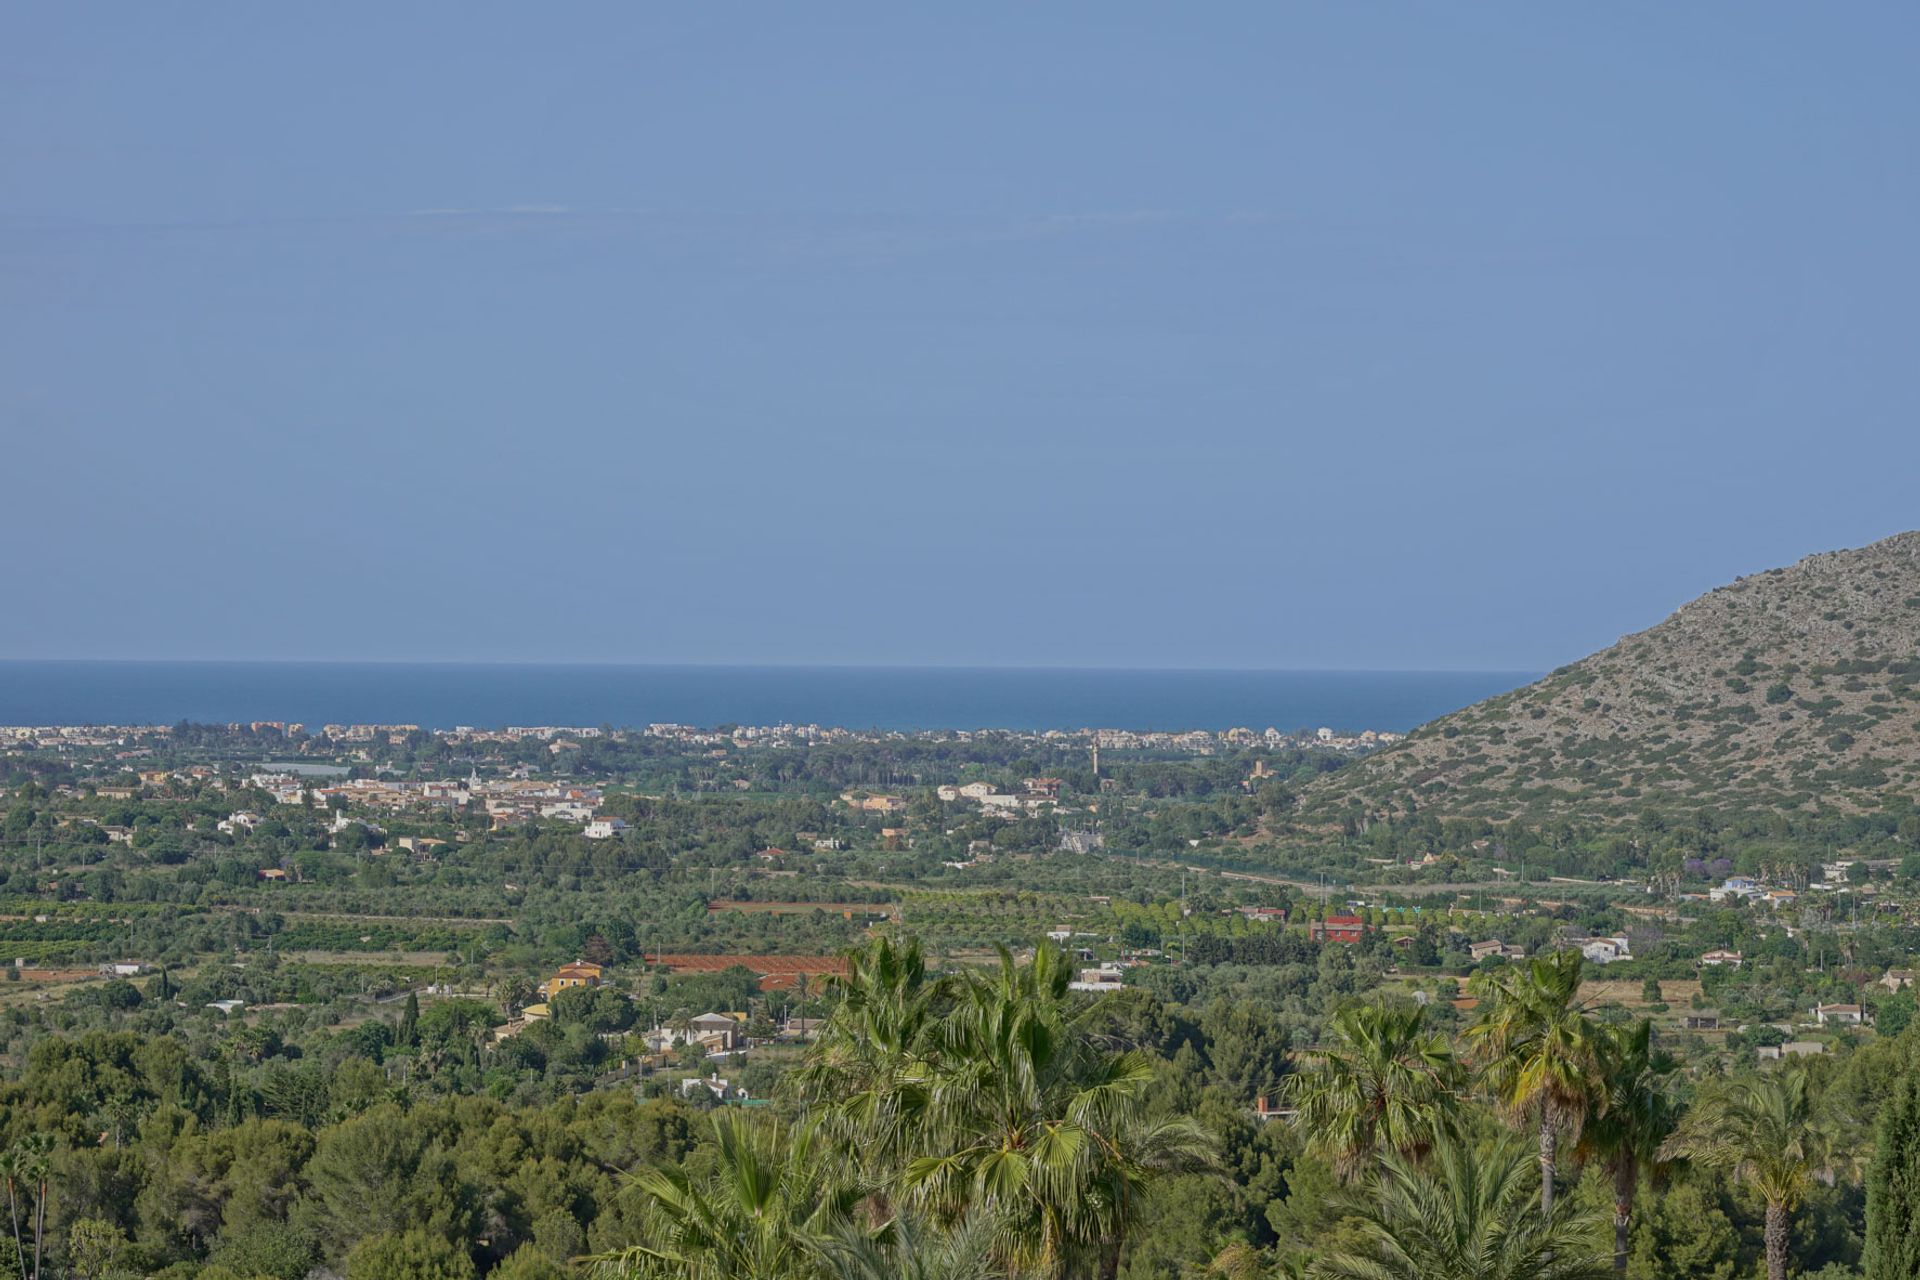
x,y
578,974
1337,929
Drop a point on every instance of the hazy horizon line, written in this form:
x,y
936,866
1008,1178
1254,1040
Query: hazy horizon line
x,y
779,666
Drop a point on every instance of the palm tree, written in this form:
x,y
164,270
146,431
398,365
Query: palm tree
x,y
909,1248
1765,1133
764,1213
1134,1151
15,1165
870,1066
1465,1218
1029,1123
1636,1115
1387,1086
120,1113
32,1161
513,994
1537,1052
1238,1261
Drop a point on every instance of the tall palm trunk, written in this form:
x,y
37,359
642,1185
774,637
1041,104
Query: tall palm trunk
x,y
1625,1181
1111,1246
1549,1150
879,1210
1776,1237
13,1210
40,1225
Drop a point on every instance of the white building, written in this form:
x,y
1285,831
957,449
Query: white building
x,y
1604,950
1101,979
714,1086
1734,887
240,823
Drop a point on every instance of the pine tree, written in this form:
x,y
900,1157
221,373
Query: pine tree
x,y
1893,1189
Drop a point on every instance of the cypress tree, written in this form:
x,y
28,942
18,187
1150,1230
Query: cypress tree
x,y
238,1106
1893,1189
409,1031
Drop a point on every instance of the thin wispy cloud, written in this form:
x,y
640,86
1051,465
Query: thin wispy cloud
x,y
1125,218
855,236
494,211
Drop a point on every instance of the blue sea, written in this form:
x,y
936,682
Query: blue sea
x,y
37,692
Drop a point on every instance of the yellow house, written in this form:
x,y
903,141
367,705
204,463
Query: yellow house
x,y
577,974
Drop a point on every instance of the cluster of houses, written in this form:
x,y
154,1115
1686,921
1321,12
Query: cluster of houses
x,y
1365,740
1202,742
549,733
507,802
715,1034
1198,741
1826,1016
145,780
1038,793
69,735
1747,889
866,802
357,741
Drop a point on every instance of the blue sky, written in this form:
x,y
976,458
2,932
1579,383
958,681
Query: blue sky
x,y
1464,336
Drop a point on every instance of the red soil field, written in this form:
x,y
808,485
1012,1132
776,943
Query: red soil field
x,y
762,965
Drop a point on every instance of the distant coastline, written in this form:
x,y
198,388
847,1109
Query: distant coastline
x,y
442,696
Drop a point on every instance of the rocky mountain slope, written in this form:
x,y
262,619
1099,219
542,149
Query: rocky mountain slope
x,y
1795,688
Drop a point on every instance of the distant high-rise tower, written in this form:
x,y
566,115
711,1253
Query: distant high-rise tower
x,y
1096,757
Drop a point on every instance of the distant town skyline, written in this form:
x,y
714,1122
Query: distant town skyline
x,y
1274,338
